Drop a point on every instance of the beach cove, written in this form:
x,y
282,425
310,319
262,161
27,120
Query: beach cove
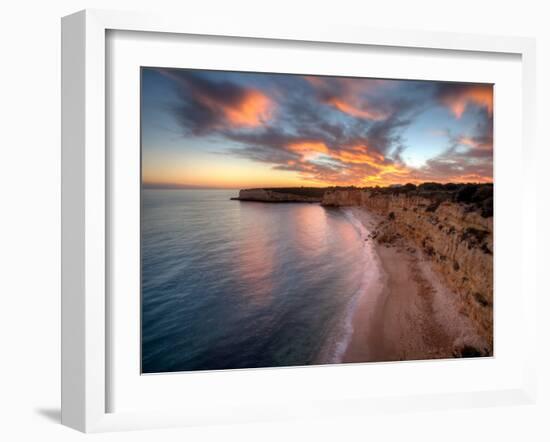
x,y
409,314
427,289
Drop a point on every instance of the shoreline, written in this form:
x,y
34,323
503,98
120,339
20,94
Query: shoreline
x,y
411,315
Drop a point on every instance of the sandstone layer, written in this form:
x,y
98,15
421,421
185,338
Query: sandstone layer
x,y
453,231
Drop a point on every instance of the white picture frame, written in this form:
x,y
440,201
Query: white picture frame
x,y
86,205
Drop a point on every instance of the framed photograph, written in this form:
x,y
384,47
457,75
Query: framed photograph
x,y
263,222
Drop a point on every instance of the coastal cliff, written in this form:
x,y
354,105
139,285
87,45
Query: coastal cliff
x,y
282,195
449,227
452,227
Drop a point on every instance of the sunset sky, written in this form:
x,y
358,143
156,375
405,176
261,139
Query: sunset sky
x,y
236,130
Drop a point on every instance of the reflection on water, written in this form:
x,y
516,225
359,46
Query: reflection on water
x,y
256,259
228,284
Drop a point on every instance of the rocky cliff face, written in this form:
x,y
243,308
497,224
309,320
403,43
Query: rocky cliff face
x,y
276,196
456,237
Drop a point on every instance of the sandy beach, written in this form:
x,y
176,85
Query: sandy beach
x,y
412,316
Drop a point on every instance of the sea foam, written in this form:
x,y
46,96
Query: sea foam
x,y
369,290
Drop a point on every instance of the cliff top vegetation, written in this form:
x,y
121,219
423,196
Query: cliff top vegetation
x,y
476,196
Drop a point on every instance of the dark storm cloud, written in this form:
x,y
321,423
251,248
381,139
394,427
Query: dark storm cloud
x,y
347,146
458,96
352,96
207,105
385,135
334,130
303,119
454,166
482,139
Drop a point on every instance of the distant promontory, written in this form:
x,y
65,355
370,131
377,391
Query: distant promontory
x,y
283,195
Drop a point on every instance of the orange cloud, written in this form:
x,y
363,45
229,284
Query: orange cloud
x,y
347,95
309,149
213,105
361,155
459,99
361,166
387,174
475,143
355,110
251,111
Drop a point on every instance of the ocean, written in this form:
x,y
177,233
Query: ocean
x,y
232,284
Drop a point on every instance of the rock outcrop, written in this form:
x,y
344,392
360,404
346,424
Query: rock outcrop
x,y
454,231
296,195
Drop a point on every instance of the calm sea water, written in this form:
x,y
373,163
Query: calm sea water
x,y
229,284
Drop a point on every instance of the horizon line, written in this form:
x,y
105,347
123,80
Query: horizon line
x,y
162,186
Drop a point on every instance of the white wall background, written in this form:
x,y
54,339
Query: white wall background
x,y
30,215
